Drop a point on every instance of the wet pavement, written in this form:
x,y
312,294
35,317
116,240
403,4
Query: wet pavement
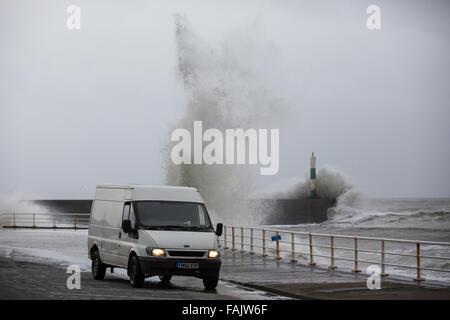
x,y
33,266
304,282
28,280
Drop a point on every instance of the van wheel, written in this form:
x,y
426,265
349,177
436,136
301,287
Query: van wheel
x,y
165,279
98,267
134,271
210,283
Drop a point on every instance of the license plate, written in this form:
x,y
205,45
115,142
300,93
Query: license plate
x,y
185,265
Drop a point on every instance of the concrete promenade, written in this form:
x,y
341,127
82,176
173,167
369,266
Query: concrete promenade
x,y
304,282
243,276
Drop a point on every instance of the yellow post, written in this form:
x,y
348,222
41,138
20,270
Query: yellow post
x,y
242,239
264,242
383,266
225,246
293,248
418,277
355,269
233,247
54,223
278,257
311,259
251,241
332,266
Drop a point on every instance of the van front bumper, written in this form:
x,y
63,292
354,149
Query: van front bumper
x,y
152,266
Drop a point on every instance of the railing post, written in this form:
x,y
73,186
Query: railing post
x,y
242,239
34,221
251,241
218,242
264,242
278,257
332,266
383,262
54,222
14,220
293,260
225,246
355,269
75,222
233,246
418,277
311,259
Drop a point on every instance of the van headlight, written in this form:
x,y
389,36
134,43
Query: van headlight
x,y
213,254
156,252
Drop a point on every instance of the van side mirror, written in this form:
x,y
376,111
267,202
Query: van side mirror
x,y
126,226
219,229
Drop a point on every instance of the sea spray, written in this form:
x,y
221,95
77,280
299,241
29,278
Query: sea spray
x,y
13,203
227,87
331,185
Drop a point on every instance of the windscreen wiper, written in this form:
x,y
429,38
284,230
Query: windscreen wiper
x,y
177,227
199,228
164,227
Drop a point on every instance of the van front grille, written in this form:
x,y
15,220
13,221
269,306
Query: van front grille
x,y
186,253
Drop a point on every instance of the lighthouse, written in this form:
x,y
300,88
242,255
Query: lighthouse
x,y
312,177
307,209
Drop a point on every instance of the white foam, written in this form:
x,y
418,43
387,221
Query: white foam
x,y
227,88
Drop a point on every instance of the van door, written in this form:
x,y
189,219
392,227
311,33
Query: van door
x,y
110,231
126,241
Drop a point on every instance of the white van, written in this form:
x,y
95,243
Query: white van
x,y
153,231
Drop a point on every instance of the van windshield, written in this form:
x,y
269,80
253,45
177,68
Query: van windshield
x,y
172,215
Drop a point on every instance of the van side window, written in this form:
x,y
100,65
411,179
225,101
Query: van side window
x,y
126,211
132,218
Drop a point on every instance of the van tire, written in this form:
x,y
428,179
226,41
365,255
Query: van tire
x,y
210,283
135,274
165,279
98,267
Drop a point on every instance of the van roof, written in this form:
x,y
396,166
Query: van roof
x,y
123,192
141,186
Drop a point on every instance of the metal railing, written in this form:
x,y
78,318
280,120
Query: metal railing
x,y
349,251
45,220
255,241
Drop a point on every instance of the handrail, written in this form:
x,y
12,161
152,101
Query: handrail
x,y
351,237
45,220
335,251
238,236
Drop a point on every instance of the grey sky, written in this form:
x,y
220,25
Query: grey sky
x,y
83,107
